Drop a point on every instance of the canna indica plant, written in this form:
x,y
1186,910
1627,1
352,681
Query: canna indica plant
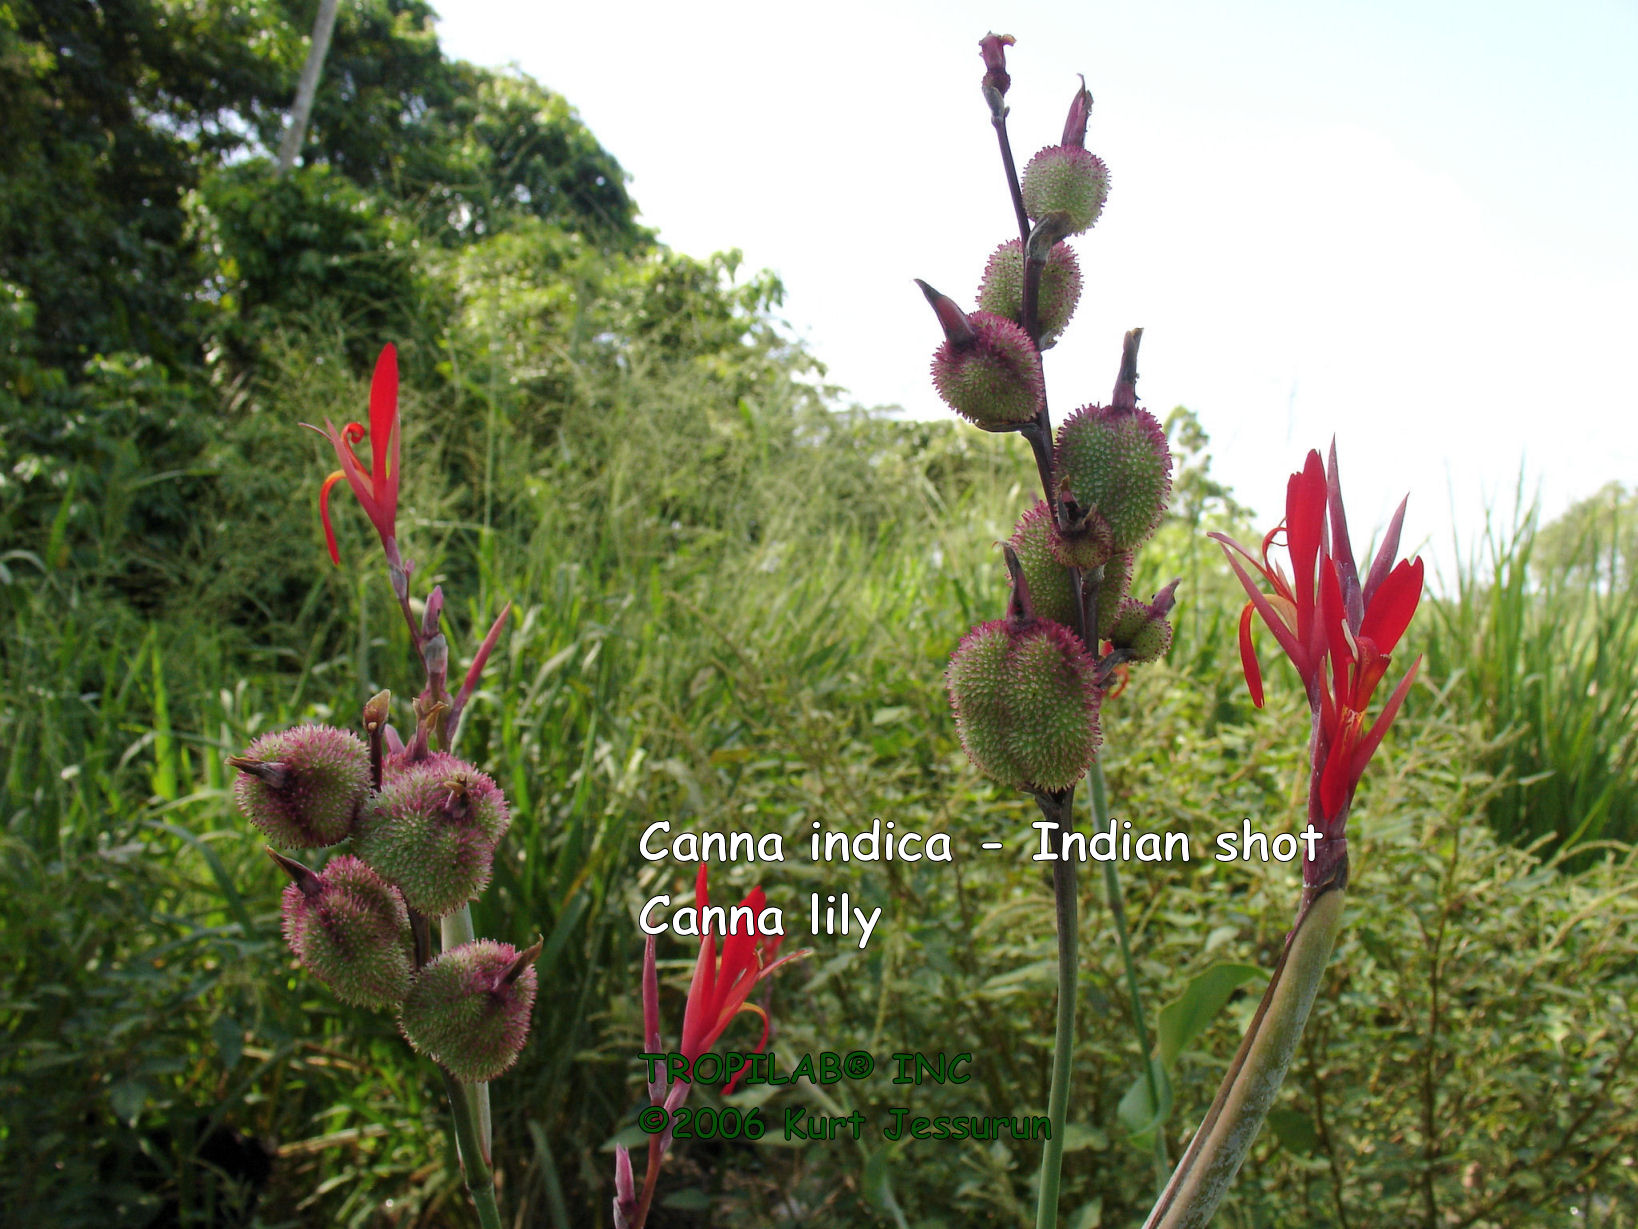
x,y
421,825
1027,689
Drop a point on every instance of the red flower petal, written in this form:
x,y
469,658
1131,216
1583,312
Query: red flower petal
x,y
1305,534
384,439
1248,658
1393,604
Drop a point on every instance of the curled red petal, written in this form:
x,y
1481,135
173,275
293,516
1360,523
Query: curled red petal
x,y
1248,658
324,515
1282,632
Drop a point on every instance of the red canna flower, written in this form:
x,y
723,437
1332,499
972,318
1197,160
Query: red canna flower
x,y
1337,632
719,990
377,486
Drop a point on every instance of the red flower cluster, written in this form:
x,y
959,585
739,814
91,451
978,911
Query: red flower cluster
x,y
1338,632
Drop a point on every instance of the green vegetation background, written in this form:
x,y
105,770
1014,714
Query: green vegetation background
x,y
733,605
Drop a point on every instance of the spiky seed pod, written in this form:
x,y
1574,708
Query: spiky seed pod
x,y
474,796
1088,543
1051,594
993,377
1144,635
1066,179
1117,583
1117,468
428,831
303,786
469,1009
1001,293
1025,702
349,928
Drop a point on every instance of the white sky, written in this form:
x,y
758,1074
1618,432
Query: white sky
x,y
1408,224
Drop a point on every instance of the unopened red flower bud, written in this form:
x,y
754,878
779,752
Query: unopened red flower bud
x,y
1066,179
432,830
1116,469
303,786
349,928
987,370
993,47
1080,111
469,1008
1051,594
1001,293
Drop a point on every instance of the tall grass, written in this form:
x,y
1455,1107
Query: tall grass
x,y
1547,658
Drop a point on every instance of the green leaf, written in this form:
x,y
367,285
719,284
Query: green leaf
x,y
127,1099
1182,1020
229,1036
1294,1131
877,1184
691,1200
1138,1113
1078,1135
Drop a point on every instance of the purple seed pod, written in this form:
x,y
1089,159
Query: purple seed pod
x,y
303,786
469,1008
1001,293
987,370
1066,179
432,831
349,928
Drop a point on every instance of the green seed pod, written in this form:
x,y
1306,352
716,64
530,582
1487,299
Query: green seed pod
x,y
1144,636
1002,291
1087,544
1117,583
469,1008
1066,179
349,928
1025,702
1117,469
1051,594
430,830
303,786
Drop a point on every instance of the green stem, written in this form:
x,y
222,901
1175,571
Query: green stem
x,y
1117,912
480,1180
1236,1115
1067,901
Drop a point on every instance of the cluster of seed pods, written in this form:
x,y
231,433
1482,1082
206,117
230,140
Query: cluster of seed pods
x,y
1027,688
423,830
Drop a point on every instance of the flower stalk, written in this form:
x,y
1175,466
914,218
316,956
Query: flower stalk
x,y
1338,632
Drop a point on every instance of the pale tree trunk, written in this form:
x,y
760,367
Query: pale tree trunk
x,y
296,133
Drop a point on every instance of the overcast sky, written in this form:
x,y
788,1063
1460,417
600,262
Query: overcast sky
x,y
1407,224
